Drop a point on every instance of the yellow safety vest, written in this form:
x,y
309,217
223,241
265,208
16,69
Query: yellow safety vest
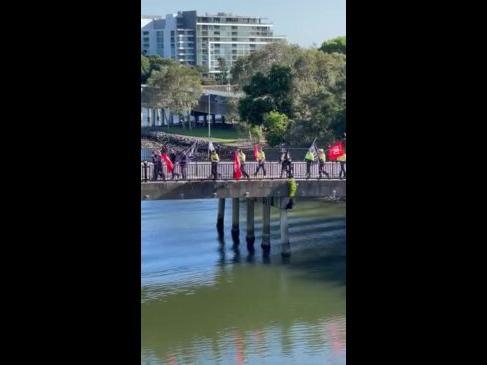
x,y
322,157
214,157
261,156
309,156
242,156
342,158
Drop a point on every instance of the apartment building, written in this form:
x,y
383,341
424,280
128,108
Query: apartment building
x,y
201,40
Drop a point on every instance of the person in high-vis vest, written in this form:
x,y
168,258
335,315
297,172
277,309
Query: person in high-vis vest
x,y
309,158
242,158
214,164
261,161
343,161
321,161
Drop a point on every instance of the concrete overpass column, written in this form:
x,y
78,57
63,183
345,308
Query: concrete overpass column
x,y
266,224
250,222
221,215
285,246
235,219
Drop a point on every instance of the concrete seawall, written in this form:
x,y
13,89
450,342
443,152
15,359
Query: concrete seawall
x,y
240,189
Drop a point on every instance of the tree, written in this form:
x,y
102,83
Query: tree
x,y
144,68
262,61
335,45
222,77
176,87
152,63
308,85
275,127
267,93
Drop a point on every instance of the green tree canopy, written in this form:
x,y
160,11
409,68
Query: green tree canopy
x,y
152,63
335,45
174,86
307,85
275,127
267,93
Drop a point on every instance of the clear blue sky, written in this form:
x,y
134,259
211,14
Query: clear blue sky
x,y
302,21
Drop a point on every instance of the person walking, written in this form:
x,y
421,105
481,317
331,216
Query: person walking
x,y
172,157
321,161
343,161
242,158
309,158
214,164
286,163
261,161
183,162
158,170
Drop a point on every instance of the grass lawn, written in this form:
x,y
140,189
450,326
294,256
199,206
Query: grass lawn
x,y
229,135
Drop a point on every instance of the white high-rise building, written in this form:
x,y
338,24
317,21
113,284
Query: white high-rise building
x,y
202,40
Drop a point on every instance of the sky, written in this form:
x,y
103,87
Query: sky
x,y
304,22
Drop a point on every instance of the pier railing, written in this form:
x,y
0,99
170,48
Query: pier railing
x,y
202,170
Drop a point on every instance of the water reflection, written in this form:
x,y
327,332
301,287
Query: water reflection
x,y
207,300
298,343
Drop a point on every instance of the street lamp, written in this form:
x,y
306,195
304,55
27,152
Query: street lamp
x,y
209,115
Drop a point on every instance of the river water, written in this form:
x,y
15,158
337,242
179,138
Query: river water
x,y
207,301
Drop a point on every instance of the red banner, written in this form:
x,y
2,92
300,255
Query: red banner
x,y
167,160
237,173
256,152
336,151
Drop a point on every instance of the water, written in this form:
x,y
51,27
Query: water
x,y
206,301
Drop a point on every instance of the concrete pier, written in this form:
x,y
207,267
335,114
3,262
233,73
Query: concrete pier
x,y
250,222
285,245
266,224
235,220
221,215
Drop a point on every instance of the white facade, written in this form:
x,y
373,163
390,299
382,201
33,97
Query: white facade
x,y
196,39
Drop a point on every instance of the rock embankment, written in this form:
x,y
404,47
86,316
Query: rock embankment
x,y
179,143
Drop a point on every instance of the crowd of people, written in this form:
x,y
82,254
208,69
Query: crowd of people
x,y
171,159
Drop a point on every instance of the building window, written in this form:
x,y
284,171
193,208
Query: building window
x,y
145,33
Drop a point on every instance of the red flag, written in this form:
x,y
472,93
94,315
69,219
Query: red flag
x,y
256,152
167,160
335,151
237,173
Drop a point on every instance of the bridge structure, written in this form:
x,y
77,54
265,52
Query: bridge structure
x,y
270,191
